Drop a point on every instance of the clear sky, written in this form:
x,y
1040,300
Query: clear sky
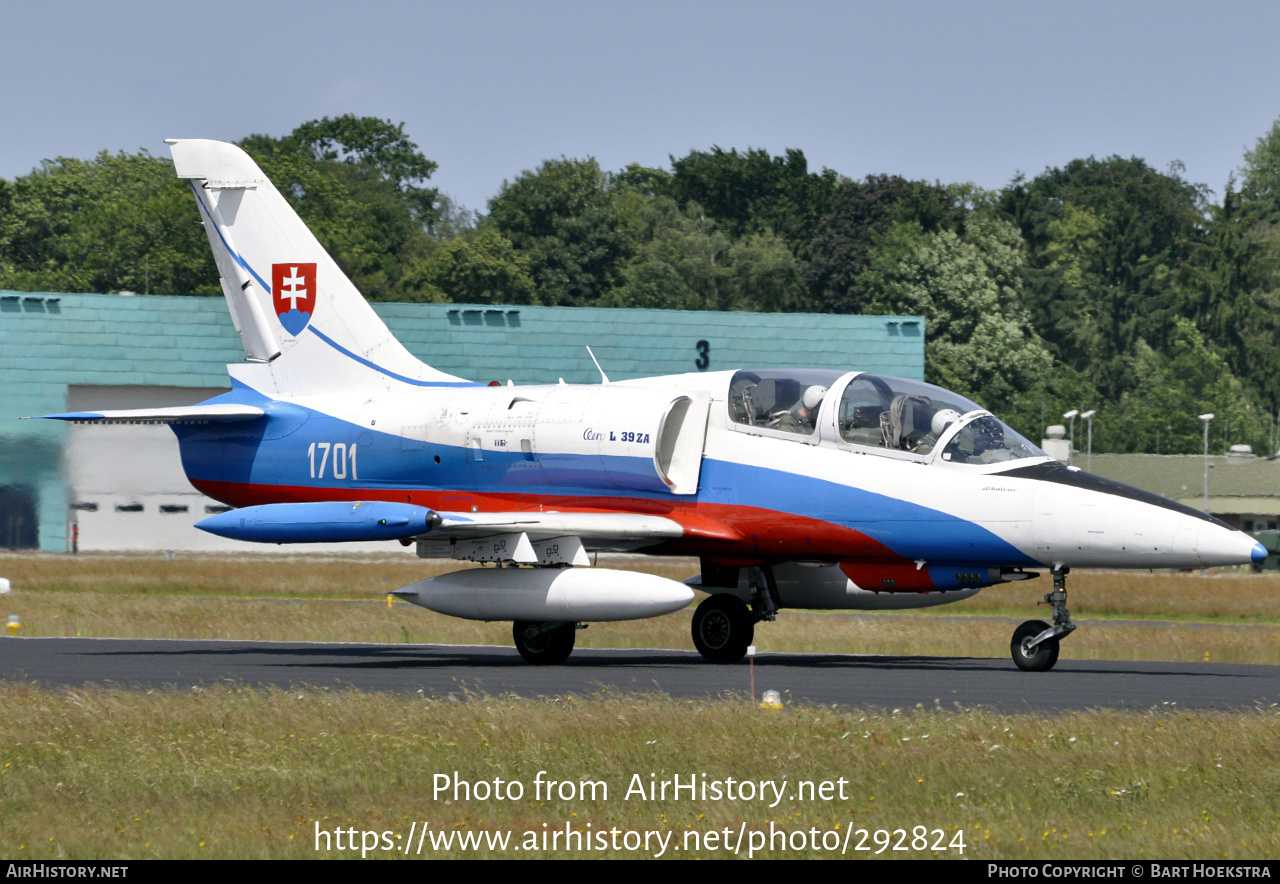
x,y
973,91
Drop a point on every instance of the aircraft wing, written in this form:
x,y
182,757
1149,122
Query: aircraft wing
x,y
170,415
526,537
588,526
542,538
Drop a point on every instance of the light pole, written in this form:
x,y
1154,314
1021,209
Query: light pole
x,y
1088,415
1206,418
1071,416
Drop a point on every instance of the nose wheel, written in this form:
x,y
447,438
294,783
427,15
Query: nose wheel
x,y
1030,655
1035,643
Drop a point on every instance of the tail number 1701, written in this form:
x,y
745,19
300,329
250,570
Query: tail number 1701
x,y
344,459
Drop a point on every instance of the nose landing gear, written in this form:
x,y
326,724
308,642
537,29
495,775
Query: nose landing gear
x,y
1035,643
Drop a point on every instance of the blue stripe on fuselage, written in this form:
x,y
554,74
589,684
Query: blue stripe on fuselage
x,y
909,529
273,451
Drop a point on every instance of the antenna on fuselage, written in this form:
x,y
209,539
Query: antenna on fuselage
x,y
604,378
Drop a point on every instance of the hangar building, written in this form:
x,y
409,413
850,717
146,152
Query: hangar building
x,y
122,487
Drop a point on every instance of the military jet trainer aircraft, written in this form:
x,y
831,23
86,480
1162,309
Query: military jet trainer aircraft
x,y
800,489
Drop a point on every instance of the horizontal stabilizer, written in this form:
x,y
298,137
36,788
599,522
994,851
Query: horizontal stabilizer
x,y
327,522
177,414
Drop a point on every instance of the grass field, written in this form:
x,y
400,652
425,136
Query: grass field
x,y
236,772
1230,616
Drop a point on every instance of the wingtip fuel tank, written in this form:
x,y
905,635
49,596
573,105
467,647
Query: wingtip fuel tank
x,y
325,522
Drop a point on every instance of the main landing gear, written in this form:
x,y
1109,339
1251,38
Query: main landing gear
x,y
544,643
1035,643
723,626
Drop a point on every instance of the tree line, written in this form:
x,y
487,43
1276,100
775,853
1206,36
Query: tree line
x,y
1104,284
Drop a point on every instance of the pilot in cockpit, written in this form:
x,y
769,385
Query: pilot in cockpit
x,y
803,416
938,424
912,423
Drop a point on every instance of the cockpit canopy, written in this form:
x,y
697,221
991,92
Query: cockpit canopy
x,y
876,412
774,398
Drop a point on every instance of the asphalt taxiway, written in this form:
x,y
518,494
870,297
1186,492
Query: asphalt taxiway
x,y
826,679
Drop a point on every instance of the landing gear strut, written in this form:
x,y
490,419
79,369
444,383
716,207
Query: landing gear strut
x,y
1035,643
764,593
723,626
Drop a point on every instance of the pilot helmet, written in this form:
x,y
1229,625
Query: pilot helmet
x,y
813,397
943,419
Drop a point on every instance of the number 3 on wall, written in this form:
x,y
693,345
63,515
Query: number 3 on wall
x,y
704,355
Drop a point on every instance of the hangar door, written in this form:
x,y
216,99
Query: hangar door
x,y
18,517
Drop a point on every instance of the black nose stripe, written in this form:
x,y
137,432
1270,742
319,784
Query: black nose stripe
x,y
1063,475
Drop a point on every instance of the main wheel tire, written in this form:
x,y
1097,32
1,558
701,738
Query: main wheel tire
x,y
722,628
1038,659
544,648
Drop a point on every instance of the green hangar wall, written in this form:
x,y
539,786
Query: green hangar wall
x,y
54,346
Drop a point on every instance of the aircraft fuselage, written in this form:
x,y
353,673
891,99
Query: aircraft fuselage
x,y
750,494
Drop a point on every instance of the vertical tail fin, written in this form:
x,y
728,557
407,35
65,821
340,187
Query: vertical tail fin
x,y
292,305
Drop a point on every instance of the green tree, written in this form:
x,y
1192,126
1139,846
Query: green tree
x,y
1170,391
1232,277
1108,240
356,182
478,267
680,263
120,222
752,192
979,341
575,226
1260,184
685,262
380,149
1046,399
764,275
860,212
455,219
644,180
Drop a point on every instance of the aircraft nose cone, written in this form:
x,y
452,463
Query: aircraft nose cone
x,y
1218,545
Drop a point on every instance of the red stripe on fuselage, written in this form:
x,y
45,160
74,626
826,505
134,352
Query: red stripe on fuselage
x,y
731,535
890,577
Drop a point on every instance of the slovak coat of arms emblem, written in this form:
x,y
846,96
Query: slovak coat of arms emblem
x,y
293,290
